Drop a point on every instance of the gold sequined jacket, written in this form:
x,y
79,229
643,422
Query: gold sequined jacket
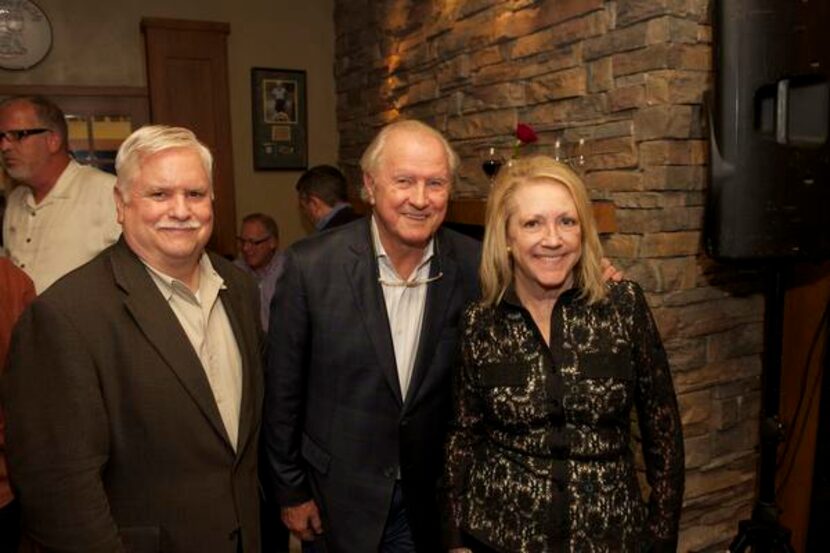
x,y
539,456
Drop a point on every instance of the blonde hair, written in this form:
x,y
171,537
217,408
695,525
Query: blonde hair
x,y
152,139
496,271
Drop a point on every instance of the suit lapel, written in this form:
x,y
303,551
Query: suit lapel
x,y
439,295
363,277
159,324
233,304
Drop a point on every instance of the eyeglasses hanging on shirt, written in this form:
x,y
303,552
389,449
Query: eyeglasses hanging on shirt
x,y
410,283
415,282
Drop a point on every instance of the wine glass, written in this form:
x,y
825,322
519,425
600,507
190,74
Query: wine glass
x,y
578,162
491,162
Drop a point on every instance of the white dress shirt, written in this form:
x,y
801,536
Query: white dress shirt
x,y
405,303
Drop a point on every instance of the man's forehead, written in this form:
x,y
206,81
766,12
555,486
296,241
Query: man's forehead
x,y
14,112
415,150
254,227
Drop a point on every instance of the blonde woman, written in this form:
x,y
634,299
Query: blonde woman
x,y
553,361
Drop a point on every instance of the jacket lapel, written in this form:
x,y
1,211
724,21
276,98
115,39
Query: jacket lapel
x,y
439,295
234,305
363,277
159,324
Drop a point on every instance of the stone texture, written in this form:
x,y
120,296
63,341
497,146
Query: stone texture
x,y
615,180
600,75
674,177
621,245
627,97
656,220
665,121
714,373
568,83
677,87
667,244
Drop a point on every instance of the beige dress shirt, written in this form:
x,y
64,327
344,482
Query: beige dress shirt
x,y
70,226
206,323
405,302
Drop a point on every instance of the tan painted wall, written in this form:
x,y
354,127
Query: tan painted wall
x,y
99,42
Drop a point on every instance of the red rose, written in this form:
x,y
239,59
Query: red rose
x,y
526,134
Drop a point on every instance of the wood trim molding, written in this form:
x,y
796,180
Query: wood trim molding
x,y
184,25
71,90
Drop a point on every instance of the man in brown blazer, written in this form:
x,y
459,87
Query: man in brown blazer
x,y
133,392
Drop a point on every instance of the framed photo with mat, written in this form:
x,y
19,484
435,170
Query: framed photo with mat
x,y
280,131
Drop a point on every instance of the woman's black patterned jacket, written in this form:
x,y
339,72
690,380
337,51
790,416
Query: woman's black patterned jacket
x,y
539,456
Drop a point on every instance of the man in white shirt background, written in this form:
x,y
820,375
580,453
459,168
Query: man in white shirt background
x,y
63,214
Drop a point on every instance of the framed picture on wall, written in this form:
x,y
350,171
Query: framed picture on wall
x,y
278,98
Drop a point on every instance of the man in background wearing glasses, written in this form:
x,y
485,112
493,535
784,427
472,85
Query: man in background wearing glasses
x,y
361,341
259,256
64,212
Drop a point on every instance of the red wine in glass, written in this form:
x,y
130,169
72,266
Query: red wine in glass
x,y
491,167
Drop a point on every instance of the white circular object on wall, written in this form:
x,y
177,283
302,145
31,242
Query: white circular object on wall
x,y
25,34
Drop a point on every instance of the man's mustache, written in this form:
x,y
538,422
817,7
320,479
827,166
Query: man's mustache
x,y
178,225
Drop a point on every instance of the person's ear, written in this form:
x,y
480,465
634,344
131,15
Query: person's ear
x,y
368,189
119,205
53,142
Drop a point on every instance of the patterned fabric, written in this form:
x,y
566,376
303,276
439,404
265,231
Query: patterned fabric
x,y
539,455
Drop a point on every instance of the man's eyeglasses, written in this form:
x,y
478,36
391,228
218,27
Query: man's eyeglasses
x,y
20,134
252,241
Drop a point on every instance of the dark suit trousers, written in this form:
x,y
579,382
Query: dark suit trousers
x,y
397,535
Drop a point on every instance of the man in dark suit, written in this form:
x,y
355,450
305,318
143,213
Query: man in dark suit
x,y
361,343
324,200
133,392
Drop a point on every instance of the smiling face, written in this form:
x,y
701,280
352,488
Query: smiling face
x,y
545,238
409,189
167,215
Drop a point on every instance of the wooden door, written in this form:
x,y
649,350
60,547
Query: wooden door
x,y
187,78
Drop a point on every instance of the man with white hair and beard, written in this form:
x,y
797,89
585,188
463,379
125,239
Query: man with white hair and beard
x,y
133,391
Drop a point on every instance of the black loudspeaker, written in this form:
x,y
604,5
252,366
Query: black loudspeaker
x,y
769,113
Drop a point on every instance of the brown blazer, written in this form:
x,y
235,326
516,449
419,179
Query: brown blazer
x,y
115,442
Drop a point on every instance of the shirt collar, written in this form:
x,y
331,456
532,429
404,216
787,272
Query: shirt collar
x,y
511,298
324,220
62,189
209,280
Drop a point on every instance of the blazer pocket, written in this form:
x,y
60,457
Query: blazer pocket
x,y
504,374
315,455
141,539
606,365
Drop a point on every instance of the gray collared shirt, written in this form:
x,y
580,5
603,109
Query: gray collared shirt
x,y
205,321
